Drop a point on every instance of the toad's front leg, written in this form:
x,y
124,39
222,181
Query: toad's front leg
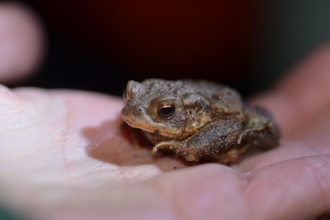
x,y
215,137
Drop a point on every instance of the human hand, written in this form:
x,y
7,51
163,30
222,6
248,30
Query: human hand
x,y
62,157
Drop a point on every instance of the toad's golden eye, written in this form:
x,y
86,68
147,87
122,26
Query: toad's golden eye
x,y
166,110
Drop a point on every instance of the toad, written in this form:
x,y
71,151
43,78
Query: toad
x,y
198,119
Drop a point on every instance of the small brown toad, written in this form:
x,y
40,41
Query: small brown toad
x,y
198,119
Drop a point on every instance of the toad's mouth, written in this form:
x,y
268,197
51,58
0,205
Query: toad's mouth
x,y
132,124
152,127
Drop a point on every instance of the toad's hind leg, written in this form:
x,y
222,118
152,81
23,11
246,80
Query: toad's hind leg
x,y
215,137
260,130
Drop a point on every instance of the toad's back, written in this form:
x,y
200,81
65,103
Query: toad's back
x,y
223,99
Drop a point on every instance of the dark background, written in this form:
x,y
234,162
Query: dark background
x,y
99,45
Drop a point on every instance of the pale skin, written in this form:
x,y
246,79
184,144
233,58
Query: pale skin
x,y
61,156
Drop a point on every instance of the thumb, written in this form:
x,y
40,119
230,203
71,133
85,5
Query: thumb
x,y
302,94
22,42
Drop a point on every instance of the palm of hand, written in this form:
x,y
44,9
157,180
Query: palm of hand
x,y
64,149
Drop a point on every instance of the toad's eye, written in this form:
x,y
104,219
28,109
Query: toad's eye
x,y
166,110
125,95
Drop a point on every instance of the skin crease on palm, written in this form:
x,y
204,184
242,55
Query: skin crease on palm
x,y
62,155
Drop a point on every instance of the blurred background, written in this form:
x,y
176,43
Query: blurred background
x,y
99,45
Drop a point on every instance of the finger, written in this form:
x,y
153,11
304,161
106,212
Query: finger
x,y
22,42
295,189
302,93
290,149
318,125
